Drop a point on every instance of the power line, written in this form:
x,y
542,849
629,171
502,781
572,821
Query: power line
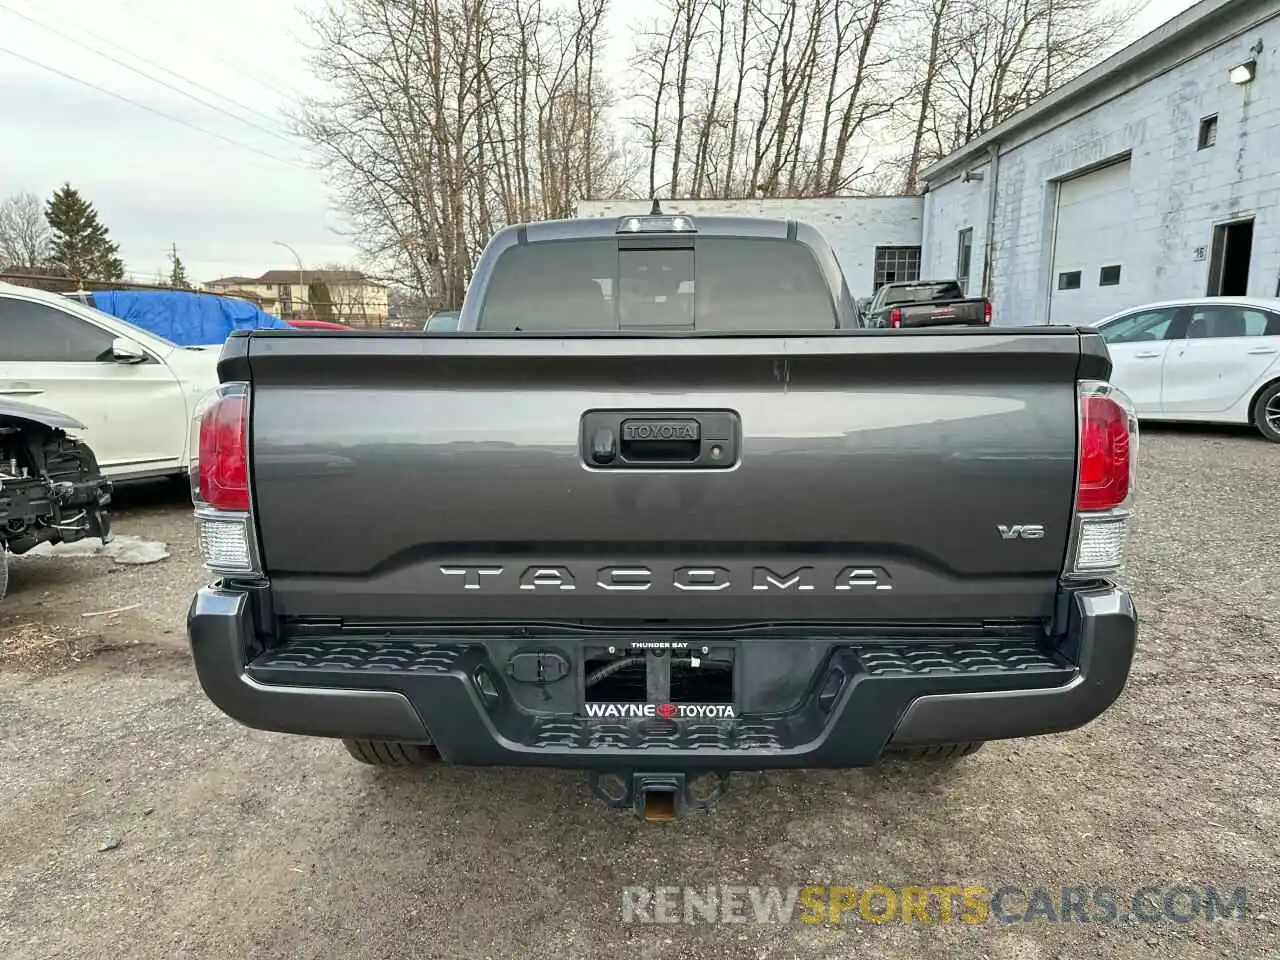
x,y
143,73
186,80
149,109
238,67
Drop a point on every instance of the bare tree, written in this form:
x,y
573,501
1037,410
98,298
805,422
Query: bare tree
x,y
866,97
799,97
448,119
25,237
651,64
689,15
709,113
762,97
987,59
929,67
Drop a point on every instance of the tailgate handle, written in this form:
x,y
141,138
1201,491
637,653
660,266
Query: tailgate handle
x,y
675,439
662,440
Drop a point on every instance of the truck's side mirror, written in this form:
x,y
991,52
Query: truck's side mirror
x,y
124,350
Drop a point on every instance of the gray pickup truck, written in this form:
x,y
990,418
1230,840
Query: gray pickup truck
x,y
926,303
653,512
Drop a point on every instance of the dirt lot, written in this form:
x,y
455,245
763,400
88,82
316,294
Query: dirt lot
x,y
137,821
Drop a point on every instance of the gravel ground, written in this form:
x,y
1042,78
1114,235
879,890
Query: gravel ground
x,y
137,821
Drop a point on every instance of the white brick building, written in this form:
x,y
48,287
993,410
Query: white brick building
x,y
1154,175
876,239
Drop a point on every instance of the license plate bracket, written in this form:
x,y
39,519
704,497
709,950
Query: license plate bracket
x,y
664,673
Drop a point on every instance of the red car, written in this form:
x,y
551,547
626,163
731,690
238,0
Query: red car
x,y
318,325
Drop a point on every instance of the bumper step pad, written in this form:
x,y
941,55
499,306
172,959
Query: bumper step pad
x,y
888,675
306,658
286,664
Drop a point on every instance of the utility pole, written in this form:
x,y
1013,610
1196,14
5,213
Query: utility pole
x,y
302,289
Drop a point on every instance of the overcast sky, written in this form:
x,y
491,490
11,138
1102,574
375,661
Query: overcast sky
x,y
157,182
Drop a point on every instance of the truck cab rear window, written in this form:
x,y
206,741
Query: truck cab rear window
x,y
923,292
722,284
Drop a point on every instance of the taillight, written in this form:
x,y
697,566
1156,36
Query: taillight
x,y
223,463
220,482
986,313
1104,454
1106,476
895,317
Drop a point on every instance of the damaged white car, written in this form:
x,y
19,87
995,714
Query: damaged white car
x,y
51,487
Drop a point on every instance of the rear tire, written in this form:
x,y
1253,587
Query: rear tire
x,y
939,751
383,753
1266,413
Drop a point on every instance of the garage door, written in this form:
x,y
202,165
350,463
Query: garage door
x,y
1091,275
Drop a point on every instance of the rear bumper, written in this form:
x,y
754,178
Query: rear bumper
x,y
420,692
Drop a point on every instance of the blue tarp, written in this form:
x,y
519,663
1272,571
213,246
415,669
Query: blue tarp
x,y
184,317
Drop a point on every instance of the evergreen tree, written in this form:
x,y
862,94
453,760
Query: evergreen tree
x,y
177,272
81,246
321,301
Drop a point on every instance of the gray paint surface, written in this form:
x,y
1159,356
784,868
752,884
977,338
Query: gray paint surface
x,y
901,452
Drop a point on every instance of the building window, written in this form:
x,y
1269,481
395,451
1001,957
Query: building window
x,y
896,264
964,256
1208,132
1109,276
1069,280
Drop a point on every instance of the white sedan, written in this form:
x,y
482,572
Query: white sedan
x,y
134,391
1208,360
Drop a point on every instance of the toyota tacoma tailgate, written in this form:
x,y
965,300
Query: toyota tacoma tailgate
x,y
759,477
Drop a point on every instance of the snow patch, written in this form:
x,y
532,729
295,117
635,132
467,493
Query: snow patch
x,y
121,549
136,550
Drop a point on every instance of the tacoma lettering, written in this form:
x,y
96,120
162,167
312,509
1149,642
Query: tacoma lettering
x,y
471,575
624,578
701,578
547,578
762,578
863,578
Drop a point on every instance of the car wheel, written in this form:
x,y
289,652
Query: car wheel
x,y
939,751
1266,413
383,753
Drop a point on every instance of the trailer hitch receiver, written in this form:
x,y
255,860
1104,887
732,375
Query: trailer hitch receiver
x,y
660,797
